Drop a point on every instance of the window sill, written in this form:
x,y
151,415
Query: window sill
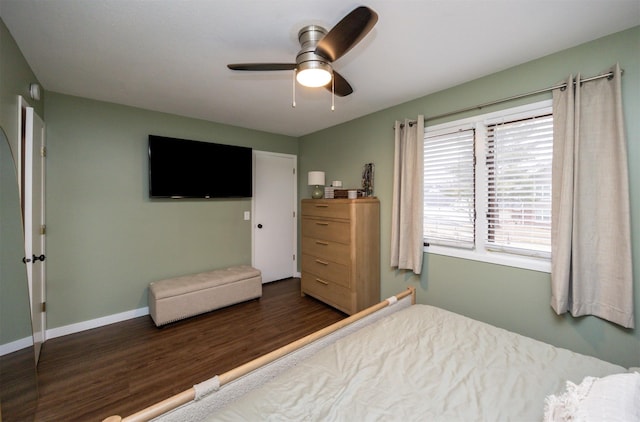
x,y
523,262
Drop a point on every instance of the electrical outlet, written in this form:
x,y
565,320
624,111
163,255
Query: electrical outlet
x,y
247,215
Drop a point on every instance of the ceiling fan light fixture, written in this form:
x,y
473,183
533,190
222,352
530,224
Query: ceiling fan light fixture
x,y
314,74
319,48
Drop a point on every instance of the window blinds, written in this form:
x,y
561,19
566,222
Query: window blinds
x,y
518,163
449,175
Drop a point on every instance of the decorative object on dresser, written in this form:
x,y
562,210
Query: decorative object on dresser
x,y
344,193
328,190
367,179
341,252
316,179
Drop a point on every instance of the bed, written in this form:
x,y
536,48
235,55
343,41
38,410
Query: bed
x,y
403,361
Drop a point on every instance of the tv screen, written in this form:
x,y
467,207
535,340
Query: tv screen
x,y
180,168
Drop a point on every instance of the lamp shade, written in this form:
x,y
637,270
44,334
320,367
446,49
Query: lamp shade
x,y
316,178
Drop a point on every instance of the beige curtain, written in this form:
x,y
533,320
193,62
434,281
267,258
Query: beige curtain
x,y
408,209
591,271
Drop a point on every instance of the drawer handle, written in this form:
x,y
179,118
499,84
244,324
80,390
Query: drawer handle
x,y
320,242
319,261
322,205
322,282
321,223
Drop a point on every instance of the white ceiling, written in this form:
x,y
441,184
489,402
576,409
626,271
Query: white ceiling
x,y
171,55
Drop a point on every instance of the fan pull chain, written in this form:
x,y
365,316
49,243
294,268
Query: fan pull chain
x,y
293,101
333,93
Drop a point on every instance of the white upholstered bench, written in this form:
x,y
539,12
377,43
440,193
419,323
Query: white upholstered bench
x,y
182,297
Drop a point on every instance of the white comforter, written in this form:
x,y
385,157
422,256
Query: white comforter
x,y
421,363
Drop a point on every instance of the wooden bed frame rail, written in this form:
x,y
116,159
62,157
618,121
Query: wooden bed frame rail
x,y
189,395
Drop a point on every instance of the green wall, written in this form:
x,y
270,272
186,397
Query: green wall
x,y
106,240
512,298
15,78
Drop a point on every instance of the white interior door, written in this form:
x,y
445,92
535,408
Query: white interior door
x,y
274,219
33,185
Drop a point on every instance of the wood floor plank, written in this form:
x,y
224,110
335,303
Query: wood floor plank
x,y
18,386
124,367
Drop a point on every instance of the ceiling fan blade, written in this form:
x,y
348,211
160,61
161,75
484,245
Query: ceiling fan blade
x,y
347,33
342,87
262,66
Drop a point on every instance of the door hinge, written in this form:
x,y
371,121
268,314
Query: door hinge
x,y
294,257
44,306
43,229
294,171
294,214
43,151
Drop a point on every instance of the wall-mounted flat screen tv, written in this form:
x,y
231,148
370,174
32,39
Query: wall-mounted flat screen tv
x,y
180,168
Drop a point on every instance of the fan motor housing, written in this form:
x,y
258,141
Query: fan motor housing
x,y
307,57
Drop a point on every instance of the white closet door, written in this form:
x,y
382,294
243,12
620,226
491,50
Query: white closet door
x,y
274,219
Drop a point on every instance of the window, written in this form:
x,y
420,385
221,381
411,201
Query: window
x,y
487,187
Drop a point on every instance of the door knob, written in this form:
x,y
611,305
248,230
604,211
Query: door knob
x,y
259,226
34,259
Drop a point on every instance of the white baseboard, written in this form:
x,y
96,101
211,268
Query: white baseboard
x,y
95,323
14,346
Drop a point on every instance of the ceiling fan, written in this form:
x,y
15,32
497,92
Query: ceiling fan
x,y
320,48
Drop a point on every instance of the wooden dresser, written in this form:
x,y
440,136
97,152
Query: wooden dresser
x,y
341,252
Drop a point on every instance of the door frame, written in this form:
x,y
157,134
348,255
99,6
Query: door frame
x,y
294,196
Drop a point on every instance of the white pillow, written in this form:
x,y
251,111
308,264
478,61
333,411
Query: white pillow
x,y
612,398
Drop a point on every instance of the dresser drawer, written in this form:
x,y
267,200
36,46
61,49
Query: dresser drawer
x,y
327,249
326,270
337,231
326,209
330,293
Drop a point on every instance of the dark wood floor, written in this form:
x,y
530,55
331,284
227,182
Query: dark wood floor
x,y
124,367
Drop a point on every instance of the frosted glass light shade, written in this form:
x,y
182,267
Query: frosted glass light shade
x,y
314,77
315,178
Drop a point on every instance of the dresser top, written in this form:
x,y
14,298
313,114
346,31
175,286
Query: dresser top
x,y
370,199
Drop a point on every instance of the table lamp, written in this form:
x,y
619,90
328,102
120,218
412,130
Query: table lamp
x,y
316,179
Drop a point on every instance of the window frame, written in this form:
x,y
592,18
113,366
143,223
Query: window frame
x,y
480,252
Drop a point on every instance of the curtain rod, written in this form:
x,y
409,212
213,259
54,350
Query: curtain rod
x,y
608,75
